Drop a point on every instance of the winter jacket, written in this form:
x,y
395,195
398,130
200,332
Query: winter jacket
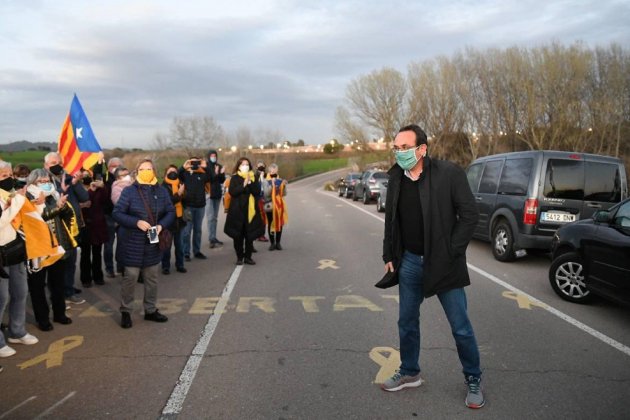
x,y
195,182
236,219
94,217
59,221
216,179
450,215
134,249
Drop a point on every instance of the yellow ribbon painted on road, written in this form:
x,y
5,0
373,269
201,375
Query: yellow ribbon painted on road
x,y
523,301
327,264
54,356
389,361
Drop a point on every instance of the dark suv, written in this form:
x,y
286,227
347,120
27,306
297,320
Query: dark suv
x,y
347,183
524,197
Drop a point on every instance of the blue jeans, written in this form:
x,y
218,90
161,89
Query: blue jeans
x,y
194,227
71,268
13,291
179,253
212,213
108,249
453,302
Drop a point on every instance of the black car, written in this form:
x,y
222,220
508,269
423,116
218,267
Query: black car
x,y
347,183
592,257
368,187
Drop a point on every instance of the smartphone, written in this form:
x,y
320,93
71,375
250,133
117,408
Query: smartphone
x,y
152,233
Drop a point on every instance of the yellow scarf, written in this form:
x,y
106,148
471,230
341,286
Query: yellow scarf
x,y
179,208
147,177
251,209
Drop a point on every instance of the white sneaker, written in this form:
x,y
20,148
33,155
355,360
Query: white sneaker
x,y
6,351
27,340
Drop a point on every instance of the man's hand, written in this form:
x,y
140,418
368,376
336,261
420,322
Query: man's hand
x,y
389,267
143,226
181,189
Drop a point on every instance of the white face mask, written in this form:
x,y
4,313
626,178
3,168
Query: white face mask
x,y
244,168
126,178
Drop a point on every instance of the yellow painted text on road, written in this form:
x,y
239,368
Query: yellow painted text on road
x,y
523,301
389,361
353,301
309,303
54,356
265,304
327,264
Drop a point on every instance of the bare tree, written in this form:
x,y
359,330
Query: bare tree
x,y
377,101
194,134
349,130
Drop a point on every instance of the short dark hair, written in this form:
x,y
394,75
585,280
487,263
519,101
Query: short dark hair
x,y
421,136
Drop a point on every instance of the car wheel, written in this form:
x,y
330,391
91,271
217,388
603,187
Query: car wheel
x,y
566,276
503,242
379,205
366,197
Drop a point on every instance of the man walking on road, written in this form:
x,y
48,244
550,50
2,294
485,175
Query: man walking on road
x,y
430,217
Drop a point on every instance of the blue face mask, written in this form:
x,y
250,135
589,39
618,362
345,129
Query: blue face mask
x,y
406,159
47,187
213,159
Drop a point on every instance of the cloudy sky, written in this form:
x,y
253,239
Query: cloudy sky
x,y
267,64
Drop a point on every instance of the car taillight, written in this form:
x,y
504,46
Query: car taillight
x,y
530,211
354,181
372,181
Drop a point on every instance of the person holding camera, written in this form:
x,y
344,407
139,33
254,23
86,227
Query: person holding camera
x,y
194,177
143,210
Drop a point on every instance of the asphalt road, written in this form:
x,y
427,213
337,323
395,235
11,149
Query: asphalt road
x,y
305,335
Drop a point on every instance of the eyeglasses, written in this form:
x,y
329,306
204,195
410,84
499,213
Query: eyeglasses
x,y
404,148
42,181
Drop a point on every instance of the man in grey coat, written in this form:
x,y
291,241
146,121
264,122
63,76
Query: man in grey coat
x,y
430,216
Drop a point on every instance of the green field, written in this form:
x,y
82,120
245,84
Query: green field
x,y
31,158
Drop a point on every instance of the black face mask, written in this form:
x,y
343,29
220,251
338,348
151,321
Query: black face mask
x,y
56,170
20,183
7,184
274,175
261,168
87,180
172,176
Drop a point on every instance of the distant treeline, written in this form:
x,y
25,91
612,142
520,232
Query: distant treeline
x,y
477,103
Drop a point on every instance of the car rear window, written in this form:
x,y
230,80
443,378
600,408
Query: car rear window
x,y
490,177
515,176
564,178
380,175
602,183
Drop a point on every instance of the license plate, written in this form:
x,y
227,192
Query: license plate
x,y
557,217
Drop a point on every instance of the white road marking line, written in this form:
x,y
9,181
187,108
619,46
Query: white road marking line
x,y
175,402
600,336
6,413
57,404
589,330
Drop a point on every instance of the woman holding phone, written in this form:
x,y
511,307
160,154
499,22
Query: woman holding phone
x,y
143,210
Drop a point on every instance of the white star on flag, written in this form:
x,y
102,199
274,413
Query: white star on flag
x,y
79,135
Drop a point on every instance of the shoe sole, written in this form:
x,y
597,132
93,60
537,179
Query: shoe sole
x,y
403,386
474,406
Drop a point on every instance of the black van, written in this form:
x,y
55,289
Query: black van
x,y
523,197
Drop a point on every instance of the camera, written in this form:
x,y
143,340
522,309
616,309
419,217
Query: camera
x,y
152,233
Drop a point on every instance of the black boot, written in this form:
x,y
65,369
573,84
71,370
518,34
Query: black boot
x,y
125,320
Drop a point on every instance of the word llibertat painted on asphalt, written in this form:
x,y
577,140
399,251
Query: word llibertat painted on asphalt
x,y
264,304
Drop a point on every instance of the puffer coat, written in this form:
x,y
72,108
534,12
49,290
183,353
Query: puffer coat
x,y
134,249
236,221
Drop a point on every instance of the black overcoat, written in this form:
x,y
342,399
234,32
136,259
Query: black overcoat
x,y
236,220
450,215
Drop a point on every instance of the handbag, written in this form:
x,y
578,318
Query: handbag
x,y
14,252
165,236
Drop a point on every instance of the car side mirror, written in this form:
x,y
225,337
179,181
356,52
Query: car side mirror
x,y
602,216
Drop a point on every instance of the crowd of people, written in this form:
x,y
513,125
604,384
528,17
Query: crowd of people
x,y
119,221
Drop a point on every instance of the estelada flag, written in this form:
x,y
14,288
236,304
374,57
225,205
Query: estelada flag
x,y
77,145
